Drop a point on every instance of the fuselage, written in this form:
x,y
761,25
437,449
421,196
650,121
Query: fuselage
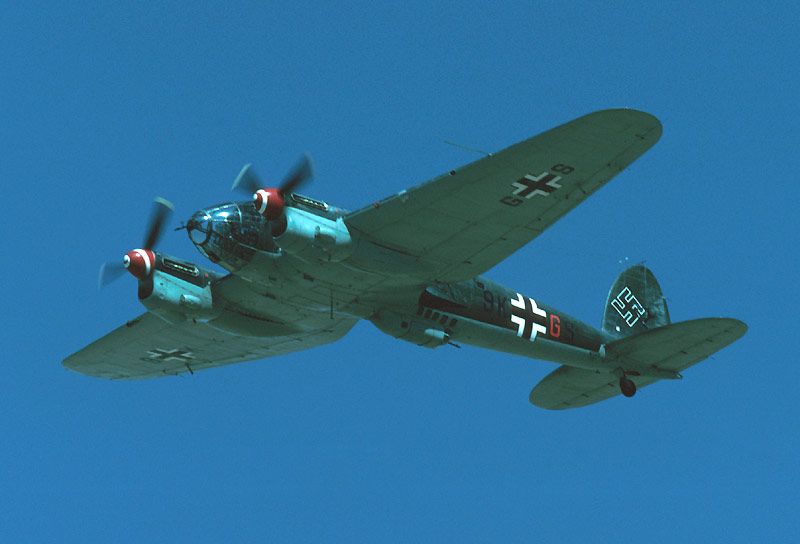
x,y
359,279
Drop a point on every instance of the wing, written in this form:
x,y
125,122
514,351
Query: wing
x,y
463,223
674,348
149,347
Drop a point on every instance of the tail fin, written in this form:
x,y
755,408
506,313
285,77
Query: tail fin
x,y
635,304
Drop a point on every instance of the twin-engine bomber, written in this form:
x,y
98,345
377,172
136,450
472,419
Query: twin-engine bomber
x,y
302,273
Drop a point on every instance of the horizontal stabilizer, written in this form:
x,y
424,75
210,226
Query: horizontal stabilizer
x,y
652,354
678,346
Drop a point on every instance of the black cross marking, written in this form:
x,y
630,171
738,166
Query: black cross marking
x,y
525,314
542,185
165,355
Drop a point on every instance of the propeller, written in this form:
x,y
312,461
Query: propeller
x,y
110,271
162,209
269,201
140,262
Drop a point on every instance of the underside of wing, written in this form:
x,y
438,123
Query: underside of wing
x,y
461,224
672,348
149,347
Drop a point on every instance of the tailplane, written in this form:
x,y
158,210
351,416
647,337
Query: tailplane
x,y
635,304
645,347
646,358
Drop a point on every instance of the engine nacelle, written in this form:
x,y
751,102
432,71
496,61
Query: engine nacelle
x,y
178,290
174,298
312,237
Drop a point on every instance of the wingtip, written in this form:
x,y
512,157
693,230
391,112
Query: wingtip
x,y
648,126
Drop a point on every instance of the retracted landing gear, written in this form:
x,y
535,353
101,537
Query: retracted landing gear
x,y
627,386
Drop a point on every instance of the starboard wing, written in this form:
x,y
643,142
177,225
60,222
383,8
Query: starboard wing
x,y
149,347
673,348
461,224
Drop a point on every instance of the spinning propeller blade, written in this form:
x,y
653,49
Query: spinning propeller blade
x,y
109,272
248,182
162,209
139,262
302,172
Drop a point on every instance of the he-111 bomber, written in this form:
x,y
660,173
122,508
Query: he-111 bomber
x,y
301,273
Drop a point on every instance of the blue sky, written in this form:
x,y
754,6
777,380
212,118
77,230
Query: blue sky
x,y
104,107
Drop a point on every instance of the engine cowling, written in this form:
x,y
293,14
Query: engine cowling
x,y
312,237
176,291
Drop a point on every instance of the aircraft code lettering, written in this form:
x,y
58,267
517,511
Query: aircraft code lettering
x,y
628,306
555,326
494,305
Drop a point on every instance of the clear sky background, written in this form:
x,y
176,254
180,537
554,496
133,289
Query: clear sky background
x,y
104,107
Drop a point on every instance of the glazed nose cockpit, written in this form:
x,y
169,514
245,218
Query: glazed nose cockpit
x,y
229,233
199,228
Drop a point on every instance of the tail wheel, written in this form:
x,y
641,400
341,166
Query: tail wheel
x,y
627,387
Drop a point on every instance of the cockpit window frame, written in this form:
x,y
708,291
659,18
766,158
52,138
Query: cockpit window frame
x,y
193,226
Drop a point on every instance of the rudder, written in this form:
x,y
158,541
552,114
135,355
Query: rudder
x,y
635,303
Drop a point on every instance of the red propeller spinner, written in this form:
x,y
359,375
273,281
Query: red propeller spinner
x,y
139,262
269,201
